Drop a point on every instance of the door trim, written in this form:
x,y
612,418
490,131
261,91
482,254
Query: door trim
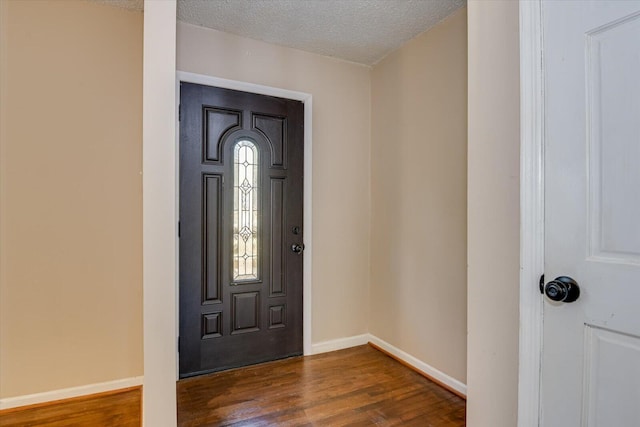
x,y
307,99
531,211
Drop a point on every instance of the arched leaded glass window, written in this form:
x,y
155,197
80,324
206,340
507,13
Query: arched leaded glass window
x,y
245,210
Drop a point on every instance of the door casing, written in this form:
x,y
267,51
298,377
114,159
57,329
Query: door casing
x,y
183,76
531,212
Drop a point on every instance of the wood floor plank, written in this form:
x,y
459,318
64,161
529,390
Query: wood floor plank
x,y
120,408
359,386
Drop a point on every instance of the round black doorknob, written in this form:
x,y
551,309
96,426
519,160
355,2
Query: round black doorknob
x,y
297,248
562,289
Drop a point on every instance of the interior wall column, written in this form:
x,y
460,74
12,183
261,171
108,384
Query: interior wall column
x,y
159,216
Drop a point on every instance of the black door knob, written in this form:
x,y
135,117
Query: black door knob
x,y
297,248
562,289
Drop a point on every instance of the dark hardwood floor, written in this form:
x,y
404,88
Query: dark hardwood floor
x,y
359,386
119,408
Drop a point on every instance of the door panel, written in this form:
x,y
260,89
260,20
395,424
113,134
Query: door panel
x,y
212,214
612,77
241,178
612,378
277,283
591,363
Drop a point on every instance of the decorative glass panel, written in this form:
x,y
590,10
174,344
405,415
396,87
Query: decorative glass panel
x,y
245,211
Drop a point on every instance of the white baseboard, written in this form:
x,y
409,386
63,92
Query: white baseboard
x,y
66,393
421,366
417,364
339,344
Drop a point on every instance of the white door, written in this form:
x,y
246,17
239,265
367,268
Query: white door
x,y
591,349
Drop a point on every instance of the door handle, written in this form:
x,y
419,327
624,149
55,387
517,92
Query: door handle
x,y
562,289
297,248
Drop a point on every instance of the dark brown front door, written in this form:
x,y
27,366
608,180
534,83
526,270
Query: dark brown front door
x,y
241,180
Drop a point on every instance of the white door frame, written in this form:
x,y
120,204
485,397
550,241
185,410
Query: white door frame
x,y
307,99
531,211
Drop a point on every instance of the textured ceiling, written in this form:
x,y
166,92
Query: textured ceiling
x,y
362,31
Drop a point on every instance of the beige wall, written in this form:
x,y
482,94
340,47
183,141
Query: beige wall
x,y
493,198
341,153
70,208
419,181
